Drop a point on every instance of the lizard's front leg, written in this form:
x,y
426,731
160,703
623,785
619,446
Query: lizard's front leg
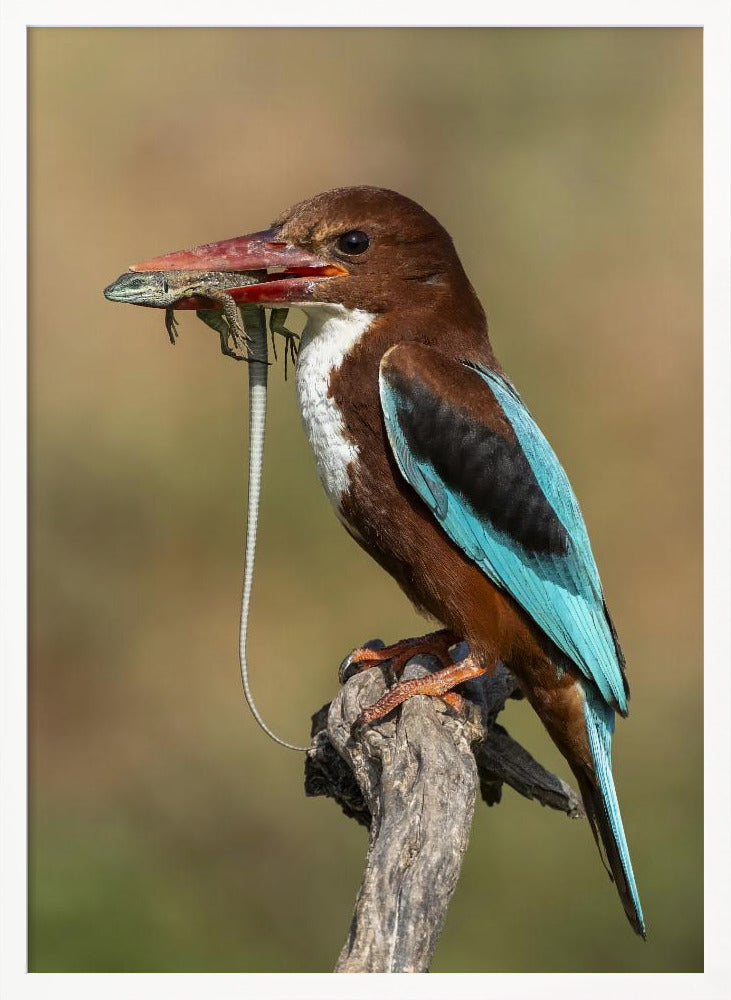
x,y
171,325
230,327
235,328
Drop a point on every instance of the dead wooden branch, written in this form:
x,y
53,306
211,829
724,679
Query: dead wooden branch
x,y
412,779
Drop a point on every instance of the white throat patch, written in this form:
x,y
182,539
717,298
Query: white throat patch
x,y
330,333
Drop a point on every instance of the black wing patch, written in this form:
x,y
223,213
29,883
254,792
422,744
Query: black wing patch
x,y
489,471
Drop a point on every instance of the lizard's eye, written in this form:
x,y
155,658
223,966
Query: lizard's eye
x,y
165,286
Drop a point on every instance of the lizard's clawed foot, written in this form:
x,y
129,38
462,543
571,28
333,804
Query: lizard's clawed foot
x,y
237,339
171,325
277,324
235,346
234,351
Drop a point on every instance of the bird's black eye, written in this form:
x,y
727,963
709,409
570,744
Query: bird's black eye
x,y
354,242
165,285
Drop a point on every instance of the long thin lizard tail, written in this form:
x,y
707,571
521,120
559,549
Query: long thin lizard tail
x,y
255,324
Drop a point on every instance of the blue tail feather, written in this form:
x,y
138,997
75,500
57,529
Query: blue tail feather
x,y
600,798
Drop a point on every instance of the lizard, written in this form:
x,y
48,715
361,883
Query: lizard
x,y
246,327
168,289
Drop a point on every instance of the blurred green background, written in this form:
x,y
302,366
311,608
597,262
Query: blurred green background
x,y
167,833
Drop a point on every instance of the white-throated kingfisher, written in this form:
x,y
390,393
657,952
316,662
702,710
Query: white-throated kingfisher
x,y
437,469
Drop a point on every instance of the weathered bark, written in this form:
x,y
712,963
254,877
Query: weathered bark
x,y
412,779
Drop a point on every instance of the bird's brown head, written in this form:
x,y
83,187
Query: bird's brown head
x,y
392,250
360,247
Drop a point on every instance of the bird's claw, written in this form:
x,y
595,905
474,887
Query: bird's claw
x,y
353,664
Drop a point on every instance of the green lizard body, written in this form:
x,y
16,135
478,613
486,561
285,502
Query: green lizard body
x,y
167,289
164,289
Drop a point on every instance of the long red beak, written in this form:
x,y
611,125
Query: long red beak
x,y
288,273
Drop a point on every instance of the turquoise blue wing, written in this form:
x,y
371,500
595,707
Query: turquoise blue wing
x,y
464,440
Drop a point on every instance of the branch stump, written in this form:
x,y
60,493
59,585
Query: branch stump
x,y
412,779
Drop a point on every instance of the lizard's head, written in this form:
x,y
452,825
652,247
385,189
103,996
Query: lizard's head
x,y
138,287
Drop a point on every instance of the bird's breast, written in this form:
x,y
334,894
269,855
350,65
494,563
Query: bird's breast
x,y
330,334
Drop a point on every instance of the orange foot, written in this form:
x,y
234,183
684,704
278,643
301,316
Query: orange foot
x,y
440,683
398,654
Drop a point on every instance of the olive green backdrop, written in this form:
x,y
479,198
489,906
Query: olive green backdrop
x,y
167,833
